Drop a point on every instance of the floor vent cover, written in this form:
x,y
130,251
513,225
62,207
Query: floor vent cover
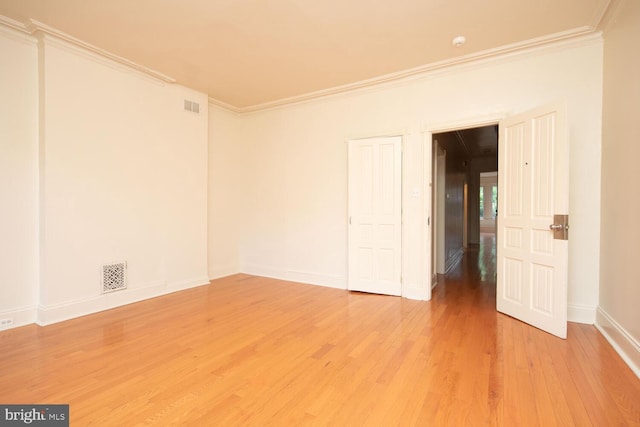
x,y
114,277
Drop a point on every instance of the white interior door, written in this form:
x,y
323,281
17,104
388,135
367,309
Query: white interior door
x,y
375,227
533,186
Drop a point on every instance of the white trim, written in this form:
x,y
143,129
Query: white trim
x,y
581,314
466,123
188,284
47,315
416,293
34,27
426,243
383,134
624,344
598,16
610,15
575,37
578,37
15,30
317,279
12,23
224,105
302,277
47,40
224,271
21,316
263,271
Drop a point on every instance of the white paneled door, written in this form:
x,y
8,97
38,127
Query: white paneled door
x,y
375,229
533,187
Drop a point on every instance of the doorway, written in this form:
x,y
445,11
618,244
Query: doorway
x,y
464,175
532,248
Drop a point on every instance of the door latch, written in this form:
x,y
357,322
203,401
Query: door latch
x,y
560,227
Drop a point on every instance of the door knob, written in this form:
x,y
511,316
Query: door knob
x,y
560,227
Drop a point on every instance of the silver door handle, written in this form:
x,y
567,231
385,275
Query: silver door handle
x,y
560,227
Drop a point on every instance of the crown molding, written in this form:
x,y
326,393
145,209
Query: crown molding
x,y
36,28
224,105
12,23
16,30
610,15
599,15
578,36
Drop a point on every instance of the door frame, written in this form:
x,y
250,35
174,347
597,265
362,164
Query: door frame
x,y
428,208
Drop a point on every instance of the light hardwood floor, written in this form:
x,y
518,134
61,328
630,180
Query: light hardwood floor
x,y
255,351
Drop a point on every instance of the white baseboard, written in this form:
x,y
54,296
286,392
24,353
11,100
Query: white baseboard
x,y
317,279
414,292
218,272
581,314
187,284
625,345
257,270
47,315
20,316
311,278
306,277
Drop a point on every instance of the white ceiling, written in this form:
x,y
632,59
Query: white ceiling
x,y
248,53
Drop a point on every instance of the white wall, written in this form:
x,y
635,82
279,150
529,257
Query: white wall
x,y
18,176
226,175
618,314
122,174
295,226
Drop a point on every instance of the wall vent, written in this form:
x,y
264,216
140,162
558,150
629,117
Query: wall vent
x,y
191,106
114,277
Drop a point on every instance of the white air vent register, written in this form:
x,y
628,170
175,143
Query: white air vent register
x,y
114,277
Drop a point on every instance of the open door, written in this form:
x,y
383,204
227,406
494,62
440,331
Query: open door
x,y
375,226
532,222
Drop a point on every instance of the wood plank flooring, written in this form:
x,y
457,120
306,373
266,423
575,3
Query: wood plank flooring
x,y
255,351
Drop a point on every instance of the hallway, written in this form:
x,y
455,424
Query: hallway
x,y
476,271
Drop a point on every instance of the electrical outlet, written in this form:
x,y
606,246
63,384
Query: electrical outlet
x,y
6,322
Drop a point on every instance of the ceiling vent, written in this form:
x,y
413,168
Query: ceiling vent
x,y
191,106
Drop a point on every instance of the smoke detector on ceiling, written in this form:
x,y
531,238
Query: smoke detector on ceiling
x,y
459,41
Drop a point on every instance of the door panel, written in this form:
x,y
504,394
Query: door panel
x,y
533,186
375,172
